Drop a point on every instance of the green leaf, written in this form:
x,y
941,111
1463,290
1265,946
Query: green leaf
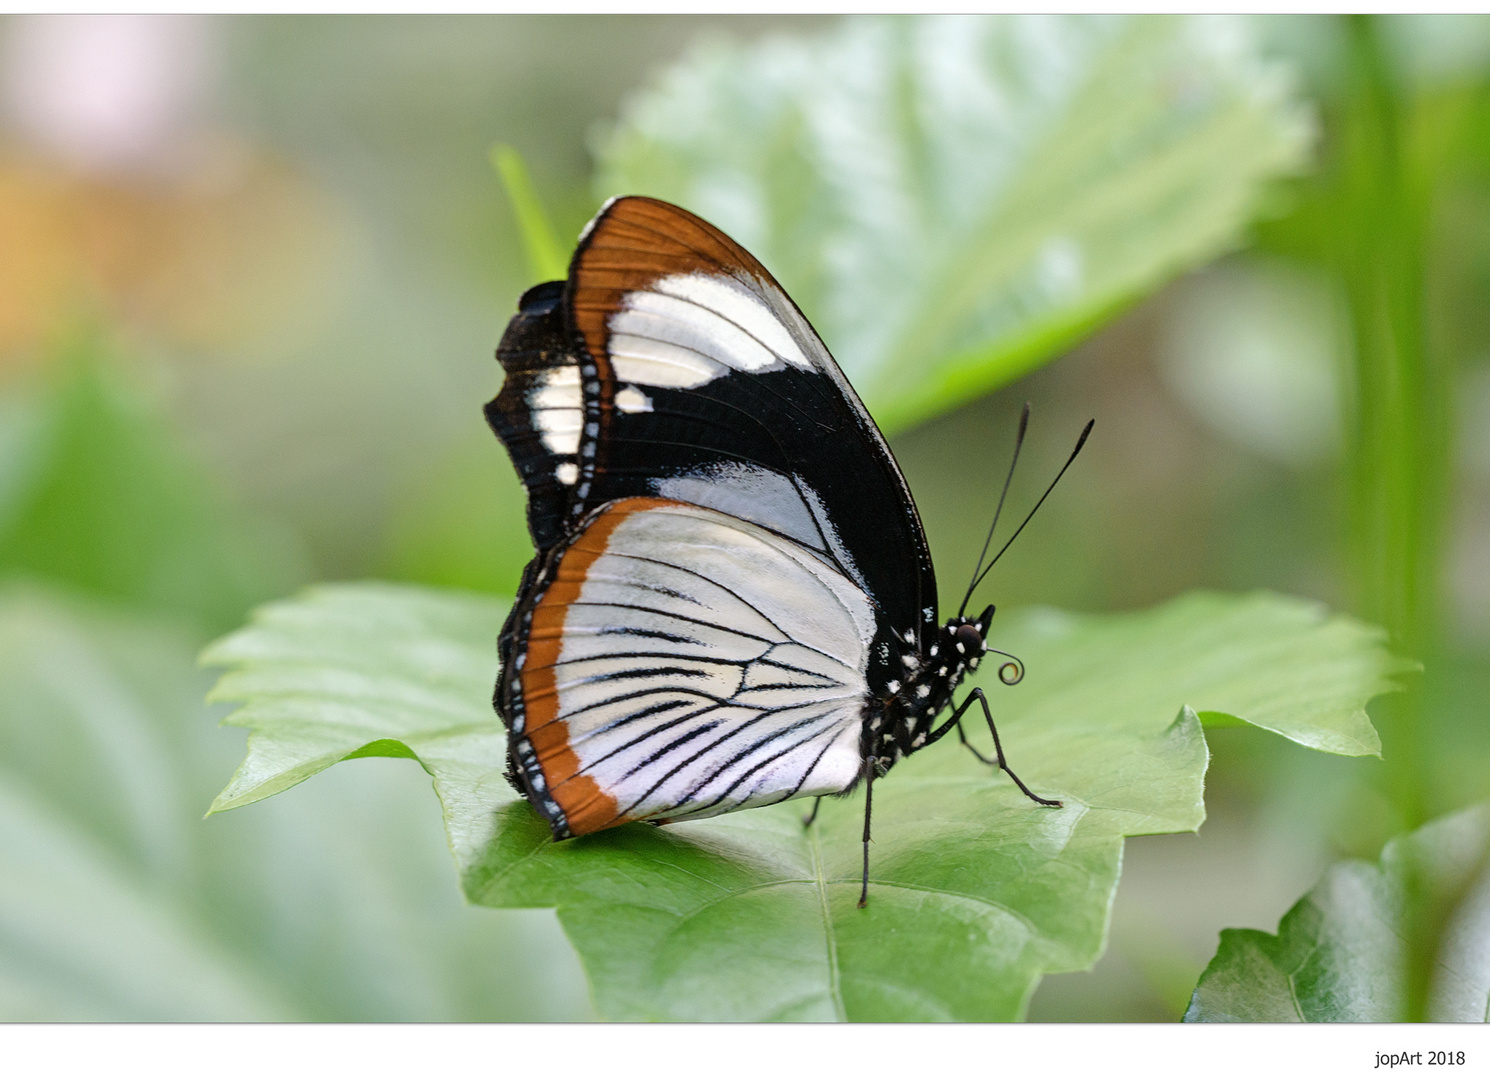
x,y
95,493
118,903
1343,952
975,891
955,201
372,668
546,259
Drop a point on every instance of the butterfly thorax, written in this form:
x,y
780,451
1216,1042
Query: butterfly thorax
x,y
902,720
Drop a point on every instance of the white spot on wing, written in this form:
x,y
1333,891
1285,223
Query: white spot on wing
x,y
560,433
558,389
689,329
632,400
650,362
734,302
557,409
693,326
567,473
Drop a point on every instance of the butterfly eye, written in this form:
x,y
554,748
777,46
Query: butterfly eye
x,y
969,641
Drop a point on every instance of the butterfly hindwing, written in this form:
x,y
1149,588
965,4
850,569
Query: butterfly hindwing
x,y
676,662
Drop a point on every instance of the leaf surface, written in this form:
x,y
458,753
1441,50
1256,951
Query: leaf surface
x,y
975,892
118,903
1340,953
954,201
95,493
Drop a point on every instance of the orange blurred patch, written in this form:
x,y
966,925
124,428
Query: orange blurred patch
x,y
238,248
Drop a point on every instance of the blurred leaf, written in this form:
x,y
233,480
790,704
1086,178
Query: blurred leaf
x,y
1341,952
22,425
93,853
118,903
1253,347
954,201
96,493
546,259
975,894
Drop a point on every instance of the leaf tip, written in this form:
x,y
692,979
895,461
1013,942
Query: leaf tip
x,y
222,802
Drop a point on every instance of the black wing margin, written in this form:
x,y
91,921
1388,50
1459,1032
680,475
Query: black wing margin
x,y
539,413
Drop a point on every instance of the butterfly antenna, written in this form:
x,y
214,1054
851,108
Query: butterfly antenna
x,y
1079,444
1024,422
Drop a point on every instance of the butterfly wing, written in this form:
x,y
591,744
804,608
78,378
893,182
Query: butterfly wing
x,y
671,364
674,662
671,370
540,410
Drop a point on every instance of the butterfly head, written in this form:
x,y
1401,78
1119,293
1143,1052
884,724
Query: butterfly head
x,y
966,642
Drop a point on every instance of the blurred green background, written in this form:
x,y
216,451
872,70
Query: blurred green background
x,y
252,274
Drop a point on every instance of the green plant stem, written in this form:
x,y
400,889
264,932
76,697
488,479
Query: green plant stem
x,y
1395,441
1397,433
547,260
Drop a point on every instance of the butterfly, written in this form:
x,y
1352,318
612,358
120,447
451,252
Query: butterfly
x,y
733,603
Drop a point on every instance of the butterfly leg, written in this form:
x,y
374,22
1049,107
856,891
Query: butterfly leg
x,y
810,818
869,771
956,721
969,747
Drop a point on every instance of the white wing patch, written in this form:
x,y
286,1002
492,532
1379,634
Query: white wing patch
x,y
686,330
709,665
752,492
732,301
632,400
558,409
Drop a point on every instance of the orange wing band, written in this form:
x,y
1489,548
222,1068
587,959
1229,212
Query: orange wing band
x,y
587,808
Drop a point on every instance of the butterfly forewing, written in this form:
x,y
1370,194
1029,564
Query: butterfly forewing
x,y
711,386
